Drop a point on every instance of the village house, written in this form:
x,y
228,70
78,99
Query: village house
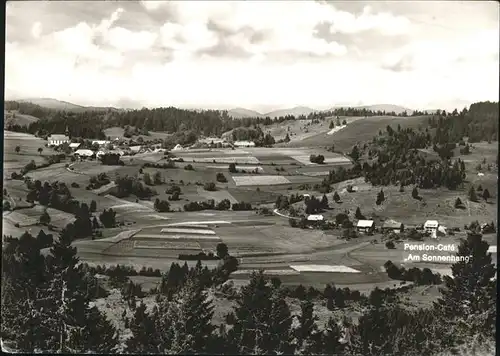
x,y
431,227
100,142
392,226
365,226
84,153
135,149
177,147
74,145
244,144
57,140
315,218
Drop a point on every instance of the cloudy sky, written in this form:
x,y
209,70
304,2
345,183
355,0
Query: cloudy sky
x,y
260,55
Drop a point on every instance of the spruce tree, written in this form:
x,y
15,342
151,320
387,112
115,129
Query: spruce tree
x,y
45,218
25,326
324,202
472,194
262,320
330,342
190,330
307,333
358,214
144,334
471,293
486,195
70,303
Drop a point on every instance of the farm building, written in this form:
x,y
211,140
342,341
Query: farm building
x,y
135,149
431,227
57,140
394,226
244,143
177,147
74,145
100,142
315,218
100,153
365,225
84,153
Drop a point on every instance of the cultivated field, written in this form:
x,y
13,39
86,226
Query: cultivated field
x,y
259,180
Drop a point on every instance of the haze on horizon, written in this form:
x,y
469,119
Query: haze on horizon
x,y
256,55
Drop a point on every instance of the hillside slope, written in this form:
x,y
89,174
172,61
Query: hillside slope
x,y
296,111
359,130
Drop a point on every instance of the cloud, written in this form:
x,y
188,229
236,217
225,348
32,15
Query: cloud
x,y
126,40
36,30
259,55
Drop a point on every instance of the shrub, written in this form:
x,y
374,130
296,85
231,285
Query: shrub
x,y
189,167
390,245
319,159
75,185
221,178
210,186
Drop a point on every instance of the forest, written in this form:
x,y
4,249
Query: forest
x,y
47,305
90,123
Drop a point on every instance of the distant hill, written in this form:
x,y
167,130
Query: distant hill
x,y
380,107
296,111
239,113
55,104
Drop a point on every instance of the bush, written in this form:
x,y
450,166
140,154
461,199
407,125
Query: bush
x,y
221,178
173,189
210,186
75,185
189,167
319,159
162,206
242,206
390,245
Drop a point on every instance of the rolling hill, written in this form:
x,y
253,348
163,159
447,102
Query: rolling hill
x,y
296,111
55,104
380,107
240,113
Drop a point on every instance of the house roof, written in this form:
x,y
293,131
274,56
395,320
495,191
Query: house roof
x,y
58,137
84,152
135,148
391,224
431,223
315,218
74,145
492,249
365,223
244,143
100,142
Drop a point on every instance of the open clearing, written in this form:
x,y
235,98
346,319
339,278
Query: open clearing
x,y
259,180
328,160
223,159
324,268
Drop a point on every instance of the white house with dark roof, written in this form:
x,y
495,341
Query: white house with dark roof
x,y
57,140
365,225
314,217
431,226
244,144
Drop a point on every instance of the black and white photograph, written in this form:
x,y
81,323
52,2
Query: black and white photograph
x,y
250,177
